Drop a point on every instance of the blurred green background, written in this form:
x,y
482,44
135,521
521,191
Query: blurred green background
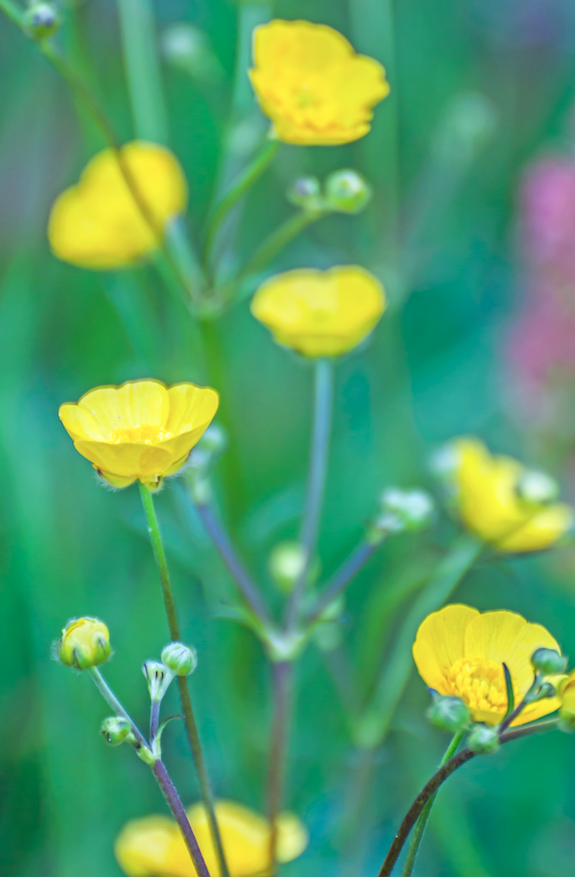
x,y
478,90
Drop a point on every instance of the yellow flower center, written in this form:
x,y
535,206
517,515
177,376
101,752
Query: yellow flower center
x,y
140,435
480,683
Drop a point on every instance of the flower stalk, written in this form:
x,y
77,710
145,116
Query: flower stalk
x,y
183,687
282,694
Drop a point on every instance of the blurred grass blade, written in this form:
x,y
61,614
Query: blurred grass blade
x,y
143,70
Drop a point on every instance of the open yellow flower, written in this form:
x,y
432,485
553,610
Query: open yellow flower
x,y
312,84
154,845
491,505
101,223
460,652
141,430
320,313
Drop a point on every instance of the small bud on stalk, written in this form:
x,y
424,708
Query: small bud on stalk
x,y
347,191
116,730
483,740
41,20
286,563
448,714
404,510
180,660
85,643
548,662
158,678
305,192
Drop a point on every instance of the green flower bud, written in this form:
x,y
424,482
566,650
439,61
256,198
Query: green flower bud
x,y
328,636
116,730
158,678
41,20
537,488
404,510
448,714
547,690
483,740
85,643
548,662
285,564
186,47
305,192
347,191
180,659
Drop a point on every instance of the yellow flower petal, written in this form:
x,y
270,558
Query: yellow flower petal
x,y
145,848
140,430
541,531
320,313
103,222
507,638
312,85
440,643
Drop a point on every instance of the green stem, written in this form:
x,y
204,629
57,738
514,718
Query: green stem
x,y
189,718
13,11
173,801
278,240
239,187
282,681
420,825
373,727
115,704
430,789
321,431
342,578
143,70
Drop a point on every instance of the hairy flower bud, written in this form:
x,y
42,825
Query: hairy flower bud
x,y
41,20
448,714
286,563
85,643
305,192
347,191
115,730
548,661
483,740
158,678
180,660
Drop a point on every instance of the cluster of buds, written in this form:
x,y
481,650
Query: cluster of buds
x,y
344,191
41,20
402,511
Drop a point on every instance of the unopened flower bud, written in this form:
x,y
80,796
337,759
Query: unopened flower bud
x,y
180,660
347,191
537,488
449,714
85,643
41,20
188,48
286,564
328,636
404,510
483,740
547,690
158,678
115,730
548,662
305,192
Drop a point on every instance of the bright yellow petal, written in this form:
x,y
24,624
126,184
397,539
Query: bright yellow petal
x,y
293,837
541,531
145,848
298,44
129,406
440,643
506,638
190,407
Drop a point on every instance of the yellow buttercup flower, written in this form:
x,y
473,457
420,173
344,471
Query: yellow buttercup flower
x,y
104,223
320,313
460,652
489,497
312,84
154,845
141,430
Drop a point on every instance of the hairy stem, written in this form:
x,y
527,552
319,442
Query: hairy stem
x,y
183,686
173,801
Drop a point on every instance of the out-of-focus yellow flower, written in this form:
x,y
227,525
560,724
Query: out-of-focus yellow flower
x,y
492,506
320,313
103,223
85,643
312,84
461,652
567,696
141,430
154,845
